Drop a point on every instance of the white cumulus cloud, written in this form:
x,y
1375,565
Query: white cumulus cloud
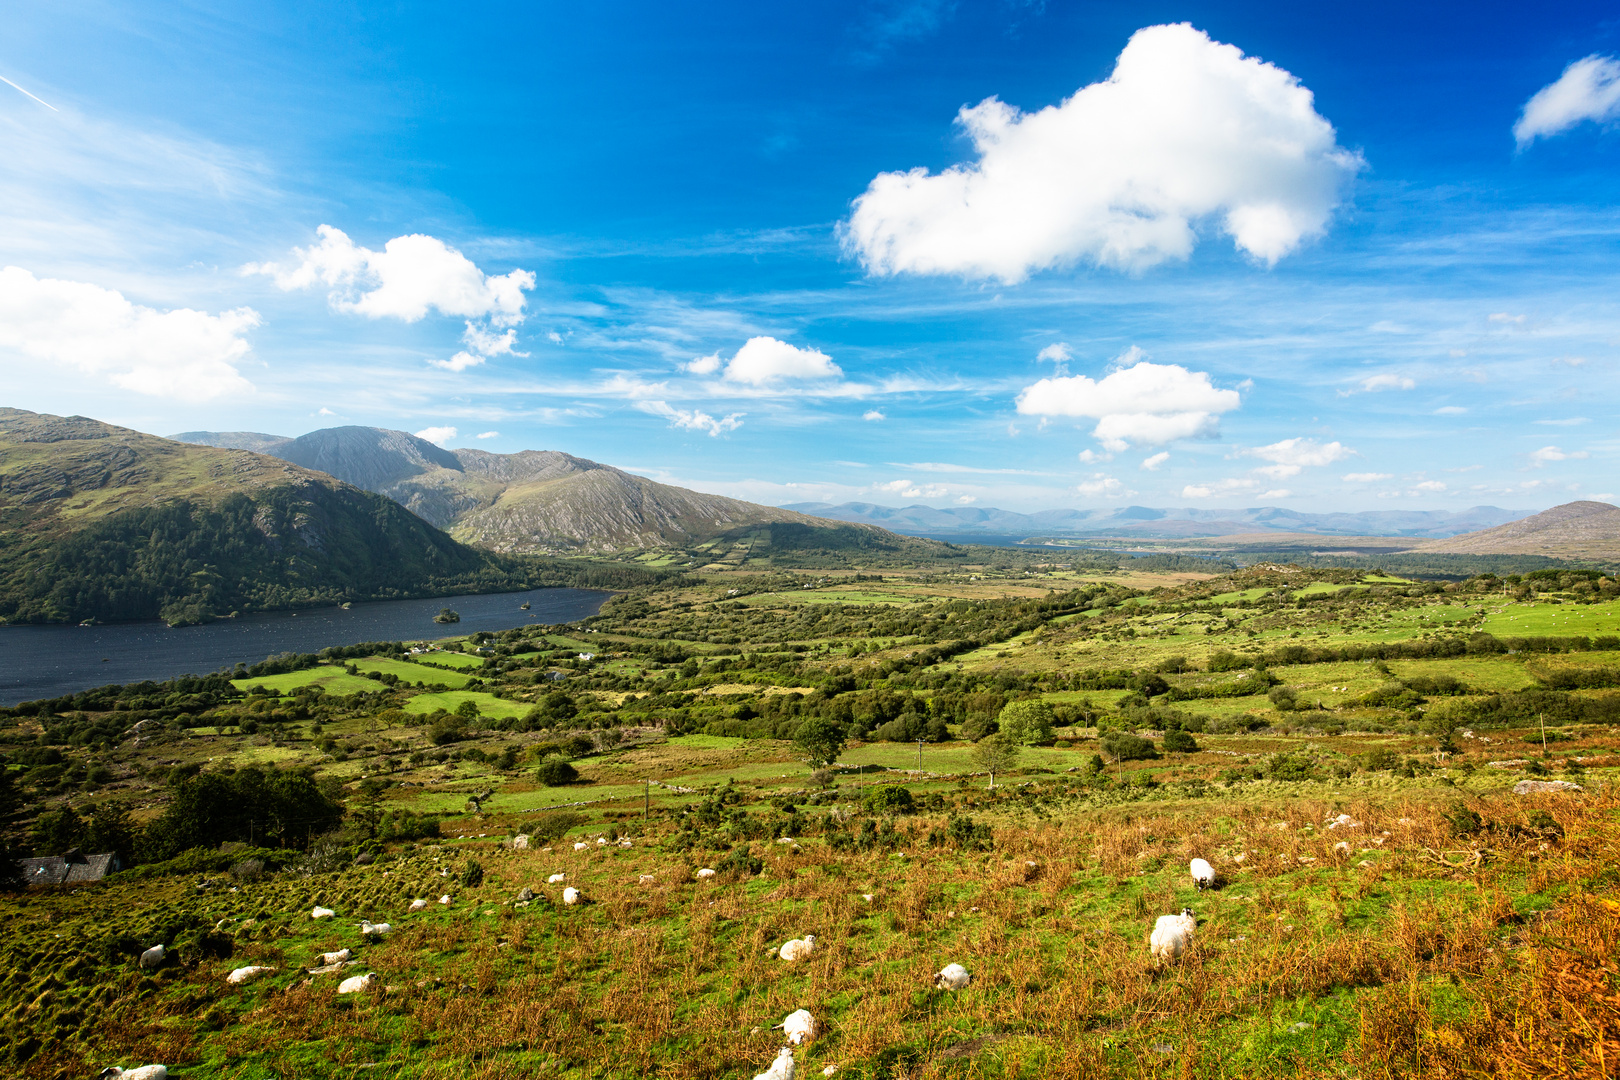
x,y
873,415
487,435
1152,464
1374,383
439,435
763,361
408,277
179,353
1091,457
1428,487
905,489
1102,486
1589,89
1146,403
1290,456
1057,353
1366,477
705,365
693,420
1120,174
1553,453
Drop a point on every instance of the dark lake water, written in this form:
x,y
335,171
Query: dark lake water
x,y
49,661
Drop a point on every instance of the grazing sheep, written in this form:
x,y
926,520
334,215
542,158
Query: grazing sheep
x,y
798,948
647,879
601,840
556,879
152,957
1203,874
246,974
322,912
581,846
706,872
419,905
520,842
625,842
572,895
336,957
145,1072
782,1068
359,983
799,1026
371,929
952,977
1172,935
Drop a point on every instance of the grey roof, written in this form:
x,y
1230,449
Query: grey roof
x,y
68,869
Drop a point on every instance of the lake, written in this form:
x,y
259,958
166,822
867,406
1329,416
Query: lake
x,y
49,661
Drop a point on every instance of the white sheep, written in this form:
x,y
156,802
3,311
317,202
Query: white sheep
x,y
706,872
798,948
800,1027
782,1068
419,905
445,899
647,879
556,879
246,974
1172,935
581,846
1203,874
152,957
359,983
322,912
624,842
952,977
371,929
336,957
602,840
145,1072
572,895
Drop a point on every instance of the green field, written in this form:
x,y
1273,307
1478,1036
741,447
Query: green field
x,y
448,700
1443,927
333,680
411,674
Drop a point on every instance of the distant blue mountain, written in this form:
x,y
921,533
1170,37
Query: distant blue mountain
x,y
1147,521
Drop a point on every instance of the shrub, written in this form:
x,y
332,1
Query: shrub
x,y
1027,722
962,833
889,799
1123,746
1177,741
1285,698
738,863
555,772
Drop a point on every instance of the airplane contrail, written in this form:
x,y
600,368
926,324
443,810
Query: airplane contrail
x,y
36,97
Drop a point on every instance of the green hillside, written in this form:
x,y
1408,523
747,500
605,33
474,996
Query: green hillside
x,y
100,522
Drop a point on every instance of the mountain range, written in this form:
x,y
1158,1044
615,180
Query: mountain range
x,y
1577,530
529,502
100,522
1148,522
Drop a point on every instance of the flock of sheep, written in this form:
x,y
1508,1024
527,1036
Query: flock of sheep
x,y
1172,936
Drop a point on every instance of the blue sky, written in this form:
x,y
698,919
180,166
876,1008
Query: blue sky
x,y
1328,259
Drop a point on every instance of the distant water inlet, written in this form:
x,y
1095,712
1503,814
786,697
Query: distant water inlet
x,y
49,661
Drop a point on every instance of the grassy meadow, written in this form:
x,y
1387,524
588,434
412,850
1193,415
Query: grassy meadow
x,y
1387,906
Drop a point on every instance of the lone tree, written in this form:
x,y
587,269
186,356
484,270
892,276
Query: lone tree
x,y
820,739
1028,723
995,753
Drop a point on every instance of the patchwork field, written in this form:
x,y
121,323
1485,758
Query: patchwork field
x,y
1347,752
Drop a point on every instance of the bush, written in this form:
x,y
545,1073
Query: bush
x,y
962,833
887,800
555,772
1028,722
1177,741
473,875
447,729
738,863
1285,698
1123,746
